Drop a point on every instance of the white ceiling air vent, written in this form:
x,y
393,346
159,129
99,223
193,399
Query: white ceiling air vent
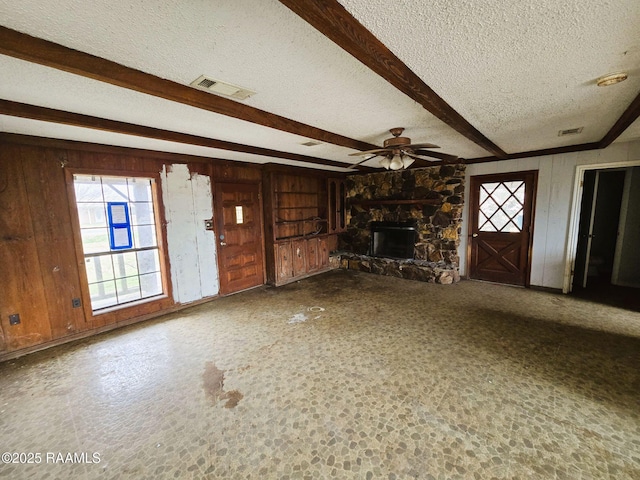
x,y
570,131
221,88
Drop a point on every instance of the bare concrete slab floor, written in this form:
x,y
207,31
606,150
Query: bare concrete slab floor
x,y
344,375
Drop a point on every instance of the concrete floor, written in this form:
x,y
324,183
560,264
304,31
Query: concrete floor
x,y
343,375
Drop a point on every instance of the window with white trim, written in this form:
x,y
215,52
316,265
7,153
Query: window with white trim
x,y
117,219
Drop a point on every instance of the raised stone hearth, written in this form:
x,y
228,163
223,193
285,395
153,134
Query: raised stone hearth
x,y
422,270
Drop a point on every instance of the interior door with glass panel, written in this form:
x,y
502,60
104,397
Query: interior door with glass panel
x,y
501,227
239,234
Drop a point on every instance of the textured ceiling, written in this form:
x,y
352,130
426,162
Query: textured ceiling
x,y
518,72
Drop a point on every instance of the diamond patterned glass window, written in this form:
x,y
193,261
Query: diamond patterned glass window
x,y
501,207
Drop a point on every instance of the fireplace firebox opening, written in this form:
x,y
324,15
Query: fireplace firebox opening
x,y
393,239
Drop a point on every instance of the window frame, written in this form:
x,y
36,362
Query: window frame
x,y
136,308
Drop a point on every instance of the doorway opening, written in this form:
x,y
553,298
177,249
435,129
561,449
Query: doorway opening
x,y
606,255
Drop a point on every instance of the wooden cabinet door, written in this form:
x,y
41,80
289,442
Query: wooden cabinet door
x,y
312,255
284,262
323,253
336,194
299,248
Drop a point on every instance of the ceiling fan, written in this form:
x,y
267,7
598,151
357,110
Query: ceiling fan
x,y
398,152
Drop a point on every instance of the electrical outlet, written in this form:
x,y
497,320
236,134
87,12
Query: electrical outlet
x,y
14,319
76,302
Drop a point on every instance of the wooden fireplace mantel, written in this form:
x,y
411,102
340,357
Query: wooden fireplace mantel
x,y
419,201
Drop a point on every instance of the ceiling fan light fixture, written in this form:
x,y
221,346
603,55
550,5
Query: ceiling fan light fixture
x,y
396,162
399,153
611,79
407,161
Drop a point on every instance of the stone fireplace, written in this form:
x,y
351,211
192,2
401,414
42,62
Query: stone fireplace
x,y
426,203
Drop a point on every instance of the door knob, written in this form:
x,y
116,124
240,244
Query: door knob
x,y
222,244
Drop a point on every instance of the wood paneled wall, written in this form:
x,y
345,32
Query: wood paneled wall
x,y
37,255
38,260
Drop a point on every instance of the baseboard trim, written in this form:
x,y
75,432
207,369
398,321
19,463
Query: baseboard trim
x,y
106,328
546,289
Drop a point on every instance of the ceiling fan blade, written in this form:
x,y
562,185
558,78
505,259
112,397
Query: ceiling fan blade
x,y
413,146
422,159
362,161
369,152
439,155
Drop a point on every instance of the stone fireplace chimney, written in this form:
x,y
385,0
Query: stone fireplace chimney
x,y
405,223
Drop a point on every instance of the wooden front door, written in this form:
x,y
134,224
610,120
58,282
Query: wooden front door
x,y
501,227
239,234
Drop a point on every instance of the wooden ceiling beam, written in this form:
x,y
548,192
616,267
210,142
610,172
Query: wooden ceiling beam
x,y
538,153
629,116
336,23
43,52
33,112
75,145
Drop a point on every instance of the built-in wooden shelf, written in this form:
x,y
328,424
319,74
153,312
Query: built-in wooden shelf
x,y
419,201
280,192
301,237
302,220
314,207
304,212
